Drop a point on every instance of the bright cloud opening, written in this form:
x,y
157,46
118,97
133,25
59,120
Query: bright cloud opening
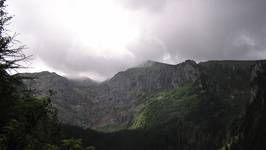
x,y
101,24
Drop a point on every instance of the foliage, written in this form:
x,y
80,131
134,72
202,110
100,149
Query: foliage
x,y
32,123
113,127
174,134
75,144
166,106
27,122
10,55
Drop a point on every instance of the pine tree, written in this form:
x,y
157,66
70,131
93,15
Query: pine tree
x,y
26,122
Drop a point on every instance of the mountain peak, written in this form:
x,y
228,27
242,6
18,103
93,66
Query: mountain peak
x,y
150,63
190,61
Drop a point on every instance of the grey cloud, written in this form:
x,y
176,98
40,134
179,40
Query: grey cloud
x,y
148,47
181,29
154,5
74,59
213,29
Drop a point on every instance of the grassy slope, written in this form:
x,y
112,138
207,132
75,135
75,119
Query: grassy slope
x,y
166,106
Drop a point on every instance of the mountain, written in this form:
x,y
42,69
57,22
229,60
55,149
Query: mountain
x,y
210,103
209,94
70,97
249,131
190,105
113,101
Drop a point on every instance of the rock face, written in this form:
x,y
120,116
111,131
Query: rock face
x,y
116,101
70,97
251,132
122,96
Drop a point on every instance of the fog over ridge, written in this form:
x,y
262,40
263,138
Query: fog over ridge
x,y
168,31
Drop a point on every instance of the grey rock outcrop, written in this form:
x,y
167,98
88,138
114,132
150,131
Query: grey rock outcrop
x,y
86,103
123,95
89,104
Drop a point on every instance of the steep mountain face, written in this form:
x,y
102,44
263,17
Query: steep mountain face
x,y
210,104
224,90
218,90
121,97
250,133
70,97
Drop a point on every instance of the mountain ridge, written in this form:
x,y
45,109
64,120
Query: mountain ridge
x,y
117,101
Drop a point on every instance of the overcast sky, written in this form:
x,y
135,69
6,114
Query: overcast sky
x,y
98,38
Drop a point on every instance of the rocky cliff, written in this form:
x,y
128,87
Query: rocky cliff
x,y
117,102
249,131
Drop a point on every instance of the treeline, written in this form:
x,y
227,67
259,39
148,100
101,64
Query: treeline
x,y
173,135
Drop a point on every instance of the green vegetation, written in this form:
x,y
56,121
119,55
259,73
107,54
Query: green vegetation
x,y
75,144
171,135
113,127
166,106
27,122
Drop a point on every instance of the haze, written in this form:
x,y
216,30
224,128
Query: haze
x,y
97,38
